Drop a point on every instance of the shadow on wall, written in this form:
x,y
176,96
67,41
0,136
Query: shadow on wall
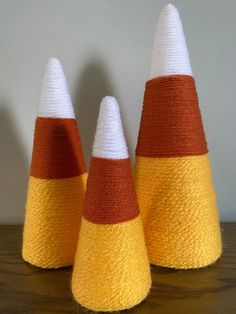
x,y
13,169
93,85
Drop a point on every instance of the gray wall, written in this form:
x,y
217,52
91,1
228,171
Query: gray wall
x,y
105,48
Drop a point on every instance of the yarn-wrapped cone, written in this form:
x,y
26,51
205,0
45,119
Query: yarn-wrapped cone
x,y
57,178
172,171
111,270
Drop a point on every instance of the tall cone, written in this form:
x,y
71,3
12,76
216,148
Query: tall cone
x,y
172,172
111,270
57,178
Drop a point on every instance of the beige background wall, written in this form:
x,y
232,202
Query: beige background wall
x,y
105,48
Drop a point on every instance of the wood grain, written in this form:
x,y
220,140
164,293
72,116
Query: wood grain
x,y
25,289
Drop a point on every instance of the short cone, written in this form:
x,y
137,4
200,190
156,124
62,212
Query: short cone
x,y
172,172
111,270
57,178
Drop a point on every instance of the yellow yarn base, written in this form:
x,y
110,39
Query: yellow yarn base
x,y
111,270
53,215
179,212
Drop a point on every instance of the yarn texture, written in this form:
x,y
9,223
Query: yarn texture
x,y
55,93
172,171
57,151
52,221
57,178
111,270
178,210
170,53
112,146
112,181
171,123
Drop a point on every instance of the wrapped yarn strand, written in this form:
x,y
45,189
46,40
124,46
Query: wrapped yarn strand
x,y
172,170
111,271
57,177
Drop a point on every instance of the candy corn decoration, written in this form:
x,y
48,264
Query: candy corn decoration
x,y
57,178
111,270
173,176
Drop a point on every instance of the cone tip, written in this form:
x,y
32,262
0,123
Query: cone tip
x,y
54,62
170,53
109,139
109,101
170,7
171,13
55,101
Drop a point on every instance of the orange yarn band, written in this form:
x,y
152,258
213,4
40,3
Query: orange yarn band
x,y
171,124
57,151
110,196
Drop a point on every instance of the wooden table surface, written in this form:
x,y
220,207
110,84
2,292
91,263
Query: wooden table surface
x,y
26,289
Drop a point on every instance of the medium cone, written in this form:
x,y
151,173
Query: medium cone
x,y
57,178
172,173
111,270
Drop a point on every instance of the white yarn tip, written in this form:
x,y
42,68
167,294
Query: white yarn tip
x,y
55,101
170,53
109,139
